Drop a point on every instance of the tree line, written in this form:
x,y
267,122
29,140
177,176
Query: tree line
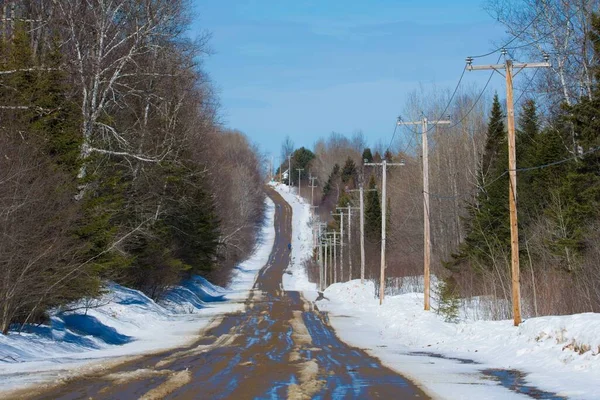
x,y
113,164
558,169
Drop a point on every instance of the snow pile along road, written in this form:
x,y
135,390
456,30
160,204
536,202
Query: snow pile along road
x,y
295,278
558,354
125,322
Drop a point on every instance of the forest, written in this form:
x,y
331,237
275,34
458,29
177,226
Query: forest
x,y
558,170
114,164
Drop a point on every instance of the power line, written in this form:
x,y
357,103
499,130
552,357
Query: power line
x,y
393,136
593,150
478,98
505,45
462,75
544,36
443,113
527,86
525,169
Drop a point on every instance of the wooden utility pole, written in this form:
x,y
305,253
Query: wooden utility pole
x,y
349,224
361,191
362,230
299,180
508,68
426,214
362,235
312,190
349,243
341,215
290,170
384,164
334,256
322,262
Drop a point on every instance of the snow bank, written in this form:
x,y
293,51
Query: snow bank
x,y
560,354
245,274
295,278
125,322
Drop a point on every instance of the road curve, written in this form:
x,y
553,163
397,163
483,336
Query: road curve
x,y
279,347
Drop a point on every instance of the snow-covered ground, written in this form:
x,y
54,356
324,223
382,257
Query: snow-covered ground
x,y
295,278
124,322
558,354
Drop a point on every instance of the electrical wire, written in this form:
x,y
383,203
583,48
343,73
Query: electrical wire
x,y
525,169
478,98
504,46
593,150
462,75
527,86
451,97
393,136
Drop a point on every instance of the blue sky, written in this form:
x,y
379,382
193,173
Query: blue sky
x,y
305,68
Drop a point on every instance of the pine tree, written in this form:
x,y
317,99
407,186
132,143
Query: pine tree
x,y
373,212
388,156
367,156
349,172
576,201
487,223
496,137
527,140
331,180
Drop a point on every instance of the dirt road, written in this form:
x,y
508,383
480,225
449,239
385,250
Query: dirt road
x,y
280,347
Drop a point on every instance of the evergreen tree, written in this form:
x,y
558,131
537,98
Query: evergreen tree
x,y
576,202
373,212
388,156
487,223
367,156
301,159
527,140
331,180
349,173
496,136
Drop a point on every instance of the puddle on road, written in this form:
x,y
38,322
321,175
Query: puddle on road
x,y
513,380
437,355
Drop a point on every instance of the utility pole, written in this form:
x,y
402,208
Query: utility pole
x,y
362,235
324,280
312,190
321,261
349,224
290,170
349,244
334,256
361,190
331,249
299,180
384,164
426,215
508,67
341,215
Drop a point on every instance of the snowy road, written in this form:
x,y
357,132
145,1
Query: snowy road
x,y
279,347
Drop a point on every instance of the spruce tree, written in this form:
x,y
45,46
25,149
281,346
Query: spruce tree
x,y
576,201
496,134
367,156
349,172
487,224
373,212
527,140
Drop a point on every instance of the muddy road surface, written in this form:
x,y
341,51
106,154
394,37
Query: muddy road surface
x,y
280,347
